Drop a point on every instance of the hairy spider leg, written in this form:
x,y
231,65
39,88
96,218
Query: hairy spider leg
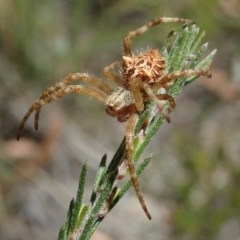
x,y
50,92
60,93
144,28
130,128
178,74
166,97
87,78
108,73
137,95
156,99
45,94
79,89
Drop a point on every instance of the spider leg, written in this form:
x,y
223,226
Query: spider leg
x,y
50,90
57,94
130,127
36,106
137,95
108,72
158,97
36,118
127,40
66,81
79,89
87,78
178,74
46,97
167,97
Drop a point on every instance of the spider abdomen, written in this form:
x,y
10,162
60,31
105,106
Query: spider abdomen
x,y
147,66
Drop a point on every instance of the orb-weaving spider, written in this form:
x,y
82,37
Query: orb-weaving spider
x,y
140,78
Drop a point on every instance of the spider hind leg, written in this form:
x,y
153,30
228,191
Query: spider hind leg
x,y
127,40
130,127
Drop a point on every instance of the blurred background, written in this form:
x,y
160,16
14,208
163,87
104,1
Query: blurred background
x,y
192,185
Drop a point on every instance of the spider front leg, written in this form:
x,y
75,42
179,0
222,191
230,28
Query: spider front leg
x,y
49,96
87,78
163,83
143,29
130,128
108,72
134,86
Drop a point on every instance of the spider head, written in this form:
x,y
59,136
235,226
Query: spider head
x,y
147,66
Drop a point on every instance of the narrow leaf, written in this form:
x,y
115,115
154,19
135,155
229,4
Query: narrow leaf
x,y
79,198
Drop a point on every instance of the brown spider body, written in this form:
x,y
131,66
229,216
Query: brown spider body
x,y
142,75
120,104
146,67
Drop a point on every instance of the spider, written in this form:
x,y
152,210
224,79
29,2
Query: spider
x,y
141,76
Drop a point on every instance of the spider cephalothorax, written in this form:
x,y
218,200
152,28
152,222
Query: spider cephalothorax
x,y
142,75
